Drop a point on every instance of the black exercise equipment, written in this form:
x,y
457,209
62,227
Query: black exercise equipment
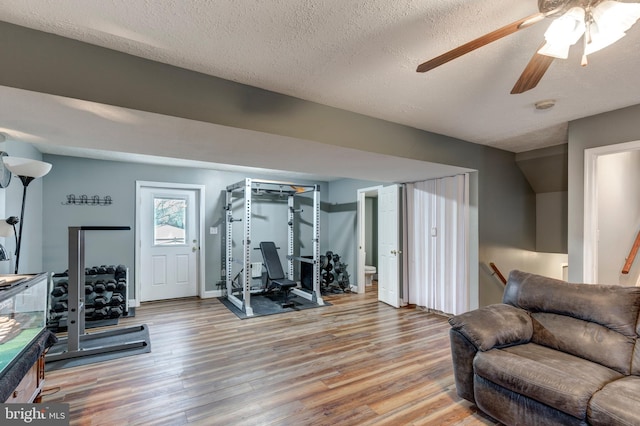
x,y
99,302
99,287
116,300
275,274
58,291
92,347
60,307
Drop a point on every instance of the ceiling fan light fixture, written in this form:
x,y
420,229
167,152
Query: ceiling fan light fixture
x,y
560,51
563,33
611,20
615,16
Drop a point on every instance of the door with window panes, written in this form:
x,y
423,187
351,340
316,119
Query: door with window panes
x,y
169,245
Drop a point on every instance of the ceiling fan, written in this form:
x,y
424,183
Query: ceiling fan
x,y
598,23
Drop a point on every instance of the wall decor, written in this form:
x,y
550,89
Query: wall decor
x,y
85,200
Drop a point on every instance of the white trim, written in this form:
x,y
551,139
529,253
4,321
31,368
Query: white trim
x,y
200,189
590,210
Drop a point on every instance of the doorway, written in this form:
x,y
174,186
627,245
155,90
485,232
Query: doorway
x,y
611,211
379,226
169,232
367,223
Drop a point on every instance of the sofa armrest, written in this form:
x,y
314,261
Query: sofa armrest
x,y
494,326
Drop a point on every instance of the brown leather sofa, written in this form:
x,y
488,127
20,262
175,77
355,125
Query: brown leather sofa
x,y
553,353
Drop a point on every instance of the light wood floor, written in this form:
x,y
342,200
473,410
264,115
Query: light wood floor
x,y
357,362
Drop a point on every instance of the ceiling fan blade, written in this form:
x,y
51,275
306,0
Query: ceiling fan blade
x,y
480,41
532,74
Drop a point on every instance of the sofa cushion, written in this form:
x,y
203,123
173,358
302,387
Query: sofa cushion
x,y
511,408
635,364
494,326
617,403
584,339
614,307
557,379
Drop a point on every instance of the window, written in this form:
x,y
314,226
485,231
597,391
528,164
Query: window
x,y
169,221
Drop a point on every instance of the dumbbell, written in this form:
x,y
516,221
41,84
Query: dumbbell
x,y
99,287
88,289
91,271
100,313
60,307
121,285
101,269
115,312
111,285
111,269
121,272
116,300
58,291
99,302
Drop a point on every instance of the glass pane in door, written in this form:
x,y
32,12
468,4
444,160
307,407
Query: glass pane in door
x,y
169,221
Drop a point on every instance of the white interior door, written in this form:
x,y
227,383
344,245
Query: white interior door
x,y
389,245
169,246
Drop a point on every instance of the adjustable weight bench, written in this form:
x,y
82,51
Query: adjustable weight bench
x,y
275,274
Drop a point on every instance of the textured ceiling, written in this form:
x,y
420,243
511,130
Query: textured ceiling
x,y
361,55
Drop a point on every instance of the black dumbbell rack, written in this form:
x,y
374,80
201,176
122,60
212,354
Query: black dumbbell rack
x,y
91,347
105,290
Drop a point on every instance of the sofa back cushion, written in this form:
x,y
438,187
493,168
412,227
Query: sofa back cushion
x,y
595,322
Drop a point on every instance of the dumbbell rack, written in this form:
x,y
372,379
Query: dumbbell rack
x,y
78,343
106,297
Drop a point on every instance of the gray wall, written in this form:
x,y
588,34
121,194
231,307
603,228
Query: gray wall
x,y
506,208
77,176
604,129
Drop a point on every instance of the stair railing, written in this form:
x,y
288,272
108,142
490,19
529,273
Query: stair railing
x,y
632,255
497,272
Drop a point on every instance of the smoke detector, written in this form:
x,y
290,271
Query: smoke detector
x,y
546,104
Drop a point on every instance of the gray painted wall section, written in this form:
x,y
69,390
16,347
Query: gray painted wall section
x,y
51,64
78,176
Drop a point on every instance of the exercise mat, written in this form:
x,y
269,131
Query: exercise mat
x,y
271,304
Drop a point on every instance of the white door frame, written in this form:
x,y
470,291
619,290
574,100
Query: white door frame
x,y
590,230
200,190
361,220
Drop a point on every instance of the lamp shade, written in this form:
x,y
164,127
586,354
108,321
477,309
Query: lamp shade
x,y
26,167
6,230
563,33
611,20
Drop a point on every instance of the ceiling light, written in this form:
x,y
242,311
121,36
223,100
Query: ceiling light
x,y
546,104
600,26
610,21
563,33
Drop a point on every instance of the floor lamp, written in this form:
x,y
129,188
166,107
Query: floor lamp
x,y
27,170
